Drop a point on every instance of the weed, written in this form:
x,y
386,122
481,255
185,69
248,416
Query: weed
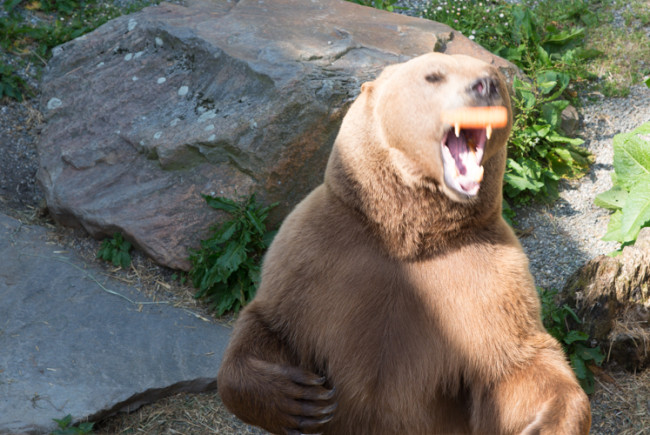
x,y
386,5
65,427
557,320
11,84
226,270
630,196
116,250
181,277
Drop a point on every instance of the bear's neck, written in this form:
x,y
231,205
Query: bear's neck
x,y
411,221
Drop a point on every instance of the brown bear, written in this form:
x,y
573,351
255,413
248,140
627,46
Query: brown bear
x,y
395,299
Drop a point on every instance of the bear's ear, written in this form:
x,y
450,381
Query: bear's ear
x,y
367,87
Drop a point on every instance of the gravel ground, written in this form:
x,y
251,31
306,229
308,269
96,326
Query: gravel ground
x,y
567,233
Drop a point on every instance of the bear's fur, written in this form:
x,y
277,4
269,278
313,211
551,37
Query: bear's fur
x,y
394,302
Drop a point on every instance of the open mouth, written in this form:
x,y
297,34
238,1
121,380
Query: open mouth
x,y
462,155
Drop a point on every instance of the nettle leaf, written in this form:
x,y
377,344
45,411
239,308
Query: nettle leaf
x,y
544,58
547,86
233,256
226,232
594,354
558,138
613,199
542,131
220,203
579,366
636,211
632,156
614,233
524,176
574,336
565,36
552,111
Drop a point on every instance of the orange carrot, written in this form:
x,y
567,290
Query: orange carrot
x,y
477,117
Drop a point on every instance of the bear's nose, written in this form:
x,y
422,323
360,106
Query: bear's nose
x,y
485,87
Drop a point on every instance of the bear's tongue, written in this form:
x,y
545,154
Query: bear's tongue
x,y
462,160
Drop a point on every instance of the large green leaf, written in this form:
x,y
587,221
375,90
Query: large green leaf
x,y
565,36
632,156
578,366
614,233
636,211
613,199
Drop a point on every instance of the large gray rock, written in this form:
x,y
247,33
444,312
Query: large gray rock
x,y
73,341
612,298
220,97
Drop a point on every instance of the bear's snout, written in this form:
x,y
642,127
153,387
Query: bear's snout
x,y
485,89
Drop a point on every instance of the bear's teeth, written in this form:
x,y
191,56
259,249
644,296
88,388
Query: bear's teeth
x,y
488,131
479,177
457,129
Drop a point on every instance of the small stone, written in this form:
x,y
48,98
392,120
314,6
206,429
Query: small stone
x,y
212,137
54,103
100,64
134,78
159,42
210,114
132,24
570,121
128,57
183,90
138,54
209,127
161,80
157,135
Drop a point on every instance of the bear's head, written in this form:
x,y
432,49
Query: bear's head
x,y
408,101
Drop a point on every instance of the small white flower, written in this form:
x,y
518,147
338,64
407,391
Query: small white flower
x,y
500,15
471,37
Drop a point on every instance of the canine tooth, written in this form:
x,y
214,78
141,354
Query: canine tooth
x,y
457,129
472,146
488,131
479,178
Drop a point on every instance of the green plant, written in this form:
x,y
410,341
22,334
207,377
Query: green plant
x,y
539,154
116,250
65,427
386,5
629,198
11,84
226,270
557,320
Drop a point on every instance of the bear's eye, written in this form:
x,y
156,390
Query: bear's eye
x,y
434,77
